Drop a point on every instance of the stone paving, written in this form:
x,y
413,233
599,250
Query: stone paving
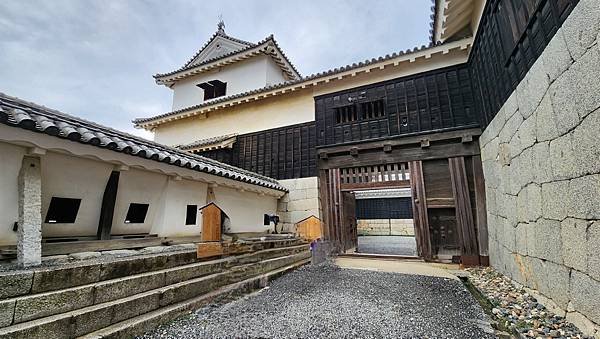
x,y
397,245
326,301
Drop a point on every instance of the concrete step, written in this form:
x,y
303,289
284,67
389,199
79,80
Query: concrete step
x,y
138,325
35,306
80,321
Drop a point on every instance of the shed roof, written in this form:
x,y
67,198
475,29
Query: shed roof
x,y
19,113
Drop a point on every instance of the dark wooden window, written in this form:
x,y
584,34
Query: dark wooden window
x,y
213,89
136,214
62,210
191,214
372,109
345,114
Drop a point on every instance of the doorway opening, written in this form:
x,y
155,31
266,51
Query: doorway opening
x,y
384,222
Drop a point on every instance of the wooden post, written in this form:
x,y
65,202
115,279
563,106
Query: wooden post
x,y
480,206
421,218
464,213
107,209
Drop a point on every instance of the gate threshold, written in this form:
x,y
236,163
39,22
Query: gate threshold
x,y
381,256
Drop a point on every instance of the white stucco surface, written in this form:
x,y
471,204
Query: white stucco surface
x,y
245,209
65,176
240,77
10,164
170,221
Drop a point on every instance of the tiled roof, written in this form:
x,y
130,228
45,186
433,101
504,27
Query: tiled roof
x,y
311,77
189,65
18,113
206,142
432,22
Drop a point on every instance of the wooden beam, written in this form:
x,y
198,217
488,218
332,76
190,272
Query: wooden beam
x,y
107,209
400,155
375,185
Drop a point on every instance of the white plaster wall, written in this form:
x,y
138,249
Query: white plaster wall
x,y
143,187
240,77
245,209
269,113
171,219
66,176
10,163
274,74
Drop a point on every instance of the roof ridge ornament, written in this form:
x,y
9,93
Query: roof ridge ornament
x,y
221,25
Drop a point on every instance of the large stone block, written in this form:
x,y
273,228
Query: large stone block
x,y
15,283
586,143
507,235
529,203
297,194
581,27
526,168
558,283
489,152
541,162
57,278
546,121
556,56
563,159
585,295
555,199
584,193
592,255
532,88
521,238
574,243
576,93
490,173
45,304
122,287
525,136
510,128
303,204
493,129
7,309
545,242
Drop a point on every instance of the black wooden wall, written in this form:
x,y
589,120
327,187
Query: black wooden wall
x,y
384,208
436,100
281,153
512,35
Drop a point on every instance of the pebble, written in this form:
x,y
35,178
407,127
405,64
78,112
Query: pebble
x,y
518,310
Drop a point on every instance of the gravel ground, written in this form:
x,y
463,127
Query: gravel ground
x,y
383,244
517,310
326,301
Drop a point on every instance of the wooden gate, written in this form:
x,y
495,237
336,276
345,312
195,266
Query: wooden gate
x,y
349,236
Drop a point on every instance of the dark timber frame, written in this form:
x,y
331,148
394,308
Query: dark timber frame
x,y
457,193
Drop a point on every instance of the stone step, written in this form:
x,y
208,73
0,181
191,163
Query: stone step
x,y
81,321
35,306
45,279
138,325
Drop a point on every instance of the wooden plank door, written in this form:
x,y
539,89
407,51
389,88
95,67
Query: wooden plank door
x,y
349,237
464,214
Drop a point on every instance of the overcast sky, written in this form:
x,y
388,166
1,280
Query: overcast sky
x,y
95,59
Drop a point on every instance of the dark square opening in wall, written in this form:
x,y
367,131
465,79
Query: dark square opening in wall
x,y
213,89
62,210
136,214
191,214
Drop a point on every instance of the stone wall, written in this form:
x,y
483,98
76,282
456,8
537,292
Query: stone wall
x,y
301,202
385,227
541,160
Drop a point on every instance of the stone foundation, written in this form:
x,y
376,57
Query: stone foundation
x,y
386,227
301,202
541,160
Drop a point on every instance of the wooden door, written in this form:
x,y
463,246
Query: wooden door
x,y
349,236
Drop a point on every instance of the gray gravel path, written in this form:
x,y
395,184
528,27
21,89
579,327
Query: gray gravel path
x,y
328,302
384,244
